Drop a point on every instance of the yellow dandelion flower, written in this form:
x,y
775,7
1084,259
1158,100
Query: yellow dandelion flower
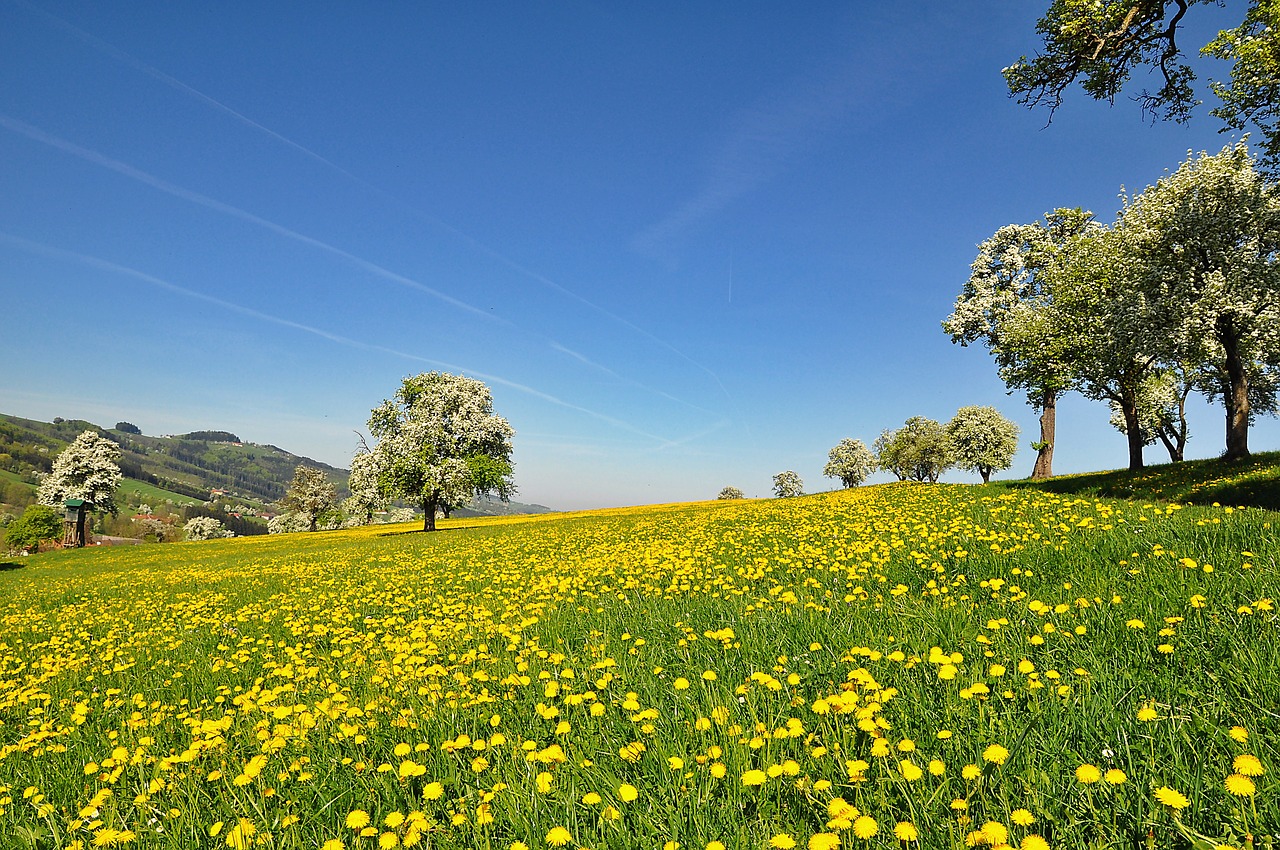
x,y
995,832
865,827
1022,817
754,777
906,831
1088,774
334,844
995,754
782,841
937,767
628,793
1115,776
1248,764
558,836
1147,713
715,845
824,841
1172,798
432,791
1240,785
681,684
1239,734
387,840
357,819
1034,842
910,770
517,845
591,798
971,772
543,782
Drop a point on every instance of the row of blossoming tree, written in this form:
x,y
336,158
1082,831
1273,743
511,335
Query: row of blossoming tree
x,y
1180,294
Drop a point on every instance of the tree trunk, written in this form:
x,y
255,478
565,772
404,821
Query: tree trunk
x,y
429,514
1236,396
985,472
1048,428
1132,428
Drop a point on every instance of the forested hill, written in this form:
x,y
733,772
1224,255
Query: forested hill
x,y
191,464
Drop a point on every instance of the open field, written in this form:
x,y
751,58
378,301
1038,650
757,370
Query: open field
x,y
895,666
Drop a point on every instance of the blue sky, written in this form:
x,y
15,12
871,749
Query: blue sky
x,y
687,245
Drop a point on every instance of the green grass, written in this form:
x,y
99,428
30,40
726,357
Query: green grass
x,y
1253,482
491,682
133,491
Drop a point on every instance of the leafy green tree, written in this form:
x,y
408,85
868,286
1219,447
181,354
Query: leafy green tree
x,y
850,461
89,469
1097,324
787,485
128,428
440,444
982,440
1007,291
1206,244
1100,43
918,451
37,524
731,493
310,494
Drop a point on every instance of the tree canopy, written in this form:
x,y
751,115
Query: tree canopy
x,y
850,461
310,494
982,440
439,444
787,485
918,451
1101,43
89,469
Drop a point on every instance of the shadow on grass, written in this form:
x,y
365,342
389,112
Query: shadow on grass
x,y
5,566
1252,482
420,531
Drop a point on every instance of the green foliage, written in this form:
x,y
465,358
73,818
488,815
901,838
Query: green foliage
x,y
918,451
128,428
37,524
1101,43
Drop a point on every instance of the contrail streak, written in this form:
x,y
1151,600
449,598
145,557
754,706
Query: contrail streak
x,y
176,84
116,268
126,170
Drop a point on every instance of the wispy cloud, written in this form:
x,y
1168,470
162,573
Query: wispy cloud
x,y
124,169
478,245
152,280
762,139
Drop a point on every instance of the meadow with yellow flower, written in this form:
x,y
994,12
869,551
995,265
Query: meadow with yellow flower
x,y
897,666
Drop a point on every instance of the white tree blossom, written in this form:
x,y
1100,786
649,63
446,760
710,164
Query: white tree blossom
x,y
205,528
787,485
310,494
440,444
731,493
850,461
1162,411
1207,238
1007,288
982,440
365,496
288,523
89,469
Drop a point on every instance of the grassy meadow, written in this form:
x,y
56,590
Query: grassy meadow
x,y
896,666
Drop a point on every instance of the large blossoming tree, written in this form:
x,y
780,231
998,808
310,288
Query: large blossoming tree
x,y
1006,296
89,469
439,444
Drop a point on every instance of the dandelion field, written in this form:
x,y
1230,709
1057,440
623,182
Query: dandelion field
x,y
895,666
